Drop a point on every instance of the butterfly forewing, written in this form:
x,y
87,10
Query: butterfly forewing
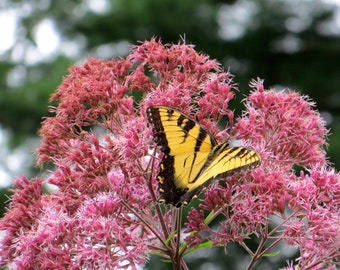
x,y
183,139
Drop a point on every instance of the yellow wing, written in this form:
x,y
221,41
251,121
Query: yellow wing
x,y
191,157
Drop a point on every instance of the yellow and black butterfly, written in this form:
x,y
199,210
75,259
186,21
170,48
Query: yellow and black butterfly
x,y
191,157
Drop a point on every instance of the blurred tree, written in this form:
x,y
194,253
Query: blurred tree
x,y
287,43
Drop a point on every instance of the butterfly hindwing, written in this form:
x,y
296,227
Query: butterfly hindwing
x,y
225,161
191,157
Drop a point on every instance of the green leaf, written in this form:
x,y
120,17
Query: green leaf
x,y
171,236
206,244
271,254
207,219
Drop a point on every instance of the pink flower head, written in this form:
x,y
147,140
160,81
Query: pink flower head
x,y
104,210
285,127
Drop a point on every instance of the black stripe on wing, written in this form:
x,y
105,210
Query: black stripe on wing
x,y
223,153
154,119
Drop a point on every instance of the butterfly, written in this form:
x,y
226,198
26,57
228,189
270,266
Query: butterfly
x,y
191,157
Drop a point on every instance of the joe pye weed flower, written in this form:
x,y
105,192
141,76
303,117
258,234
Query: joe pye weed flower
x,y
103,212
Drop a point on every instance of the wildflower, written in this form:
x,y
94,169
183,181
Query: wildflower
x,y
285,126
104,212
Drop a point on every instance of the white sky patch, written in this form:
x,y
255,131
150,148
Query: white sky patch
x,y
16,159
46,37
112,49
337,2
98,6
5,179
332,27
73,48
235,19
8,25
16,76
15,162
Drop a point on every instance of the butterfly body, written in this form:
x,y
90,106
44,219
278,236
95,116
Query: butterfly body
x,y
191,157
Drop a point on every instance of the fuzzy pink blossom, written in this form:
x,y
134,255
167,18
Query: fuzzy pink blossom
x,y
103,211
285,126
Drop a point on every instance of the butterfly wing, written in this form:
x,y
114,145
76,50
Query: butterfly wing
x,y
191,158
223,161
186,147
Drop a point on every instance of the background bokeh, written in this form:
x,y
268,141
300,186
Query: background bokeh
x,y
291,44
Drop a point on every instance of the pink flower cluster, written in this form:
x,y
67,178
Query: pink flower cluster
x,y
101,210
